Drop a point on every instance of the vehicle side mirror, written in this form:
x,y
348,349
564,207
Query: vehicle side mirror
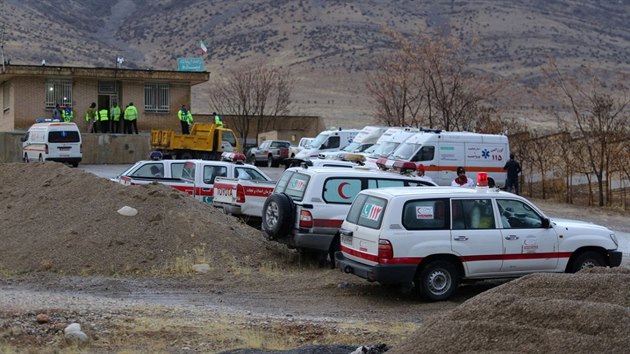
x,y
23,138
546,223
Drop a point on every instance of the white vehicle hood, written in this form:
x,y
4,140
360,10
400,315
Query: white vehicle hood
x,y
577,226
306,154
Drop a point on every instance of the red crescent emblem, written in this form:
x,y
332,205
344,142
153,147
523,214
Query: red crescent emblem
x,y
340,190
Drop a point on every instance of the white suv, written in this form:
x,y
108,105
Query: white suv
x,y
308,205
436,237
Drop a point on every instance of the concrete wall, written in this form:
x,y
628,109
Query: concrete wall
x,y
97,148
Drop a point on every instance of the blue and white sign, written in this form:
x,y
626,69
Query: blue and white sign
x,y
190,64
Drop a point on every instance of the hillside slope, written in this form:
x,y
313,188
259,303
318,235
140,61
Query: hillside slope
x,y
329,45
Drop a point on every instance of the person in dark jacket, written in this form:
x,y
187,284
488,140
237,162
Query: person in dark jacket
x,y
513,168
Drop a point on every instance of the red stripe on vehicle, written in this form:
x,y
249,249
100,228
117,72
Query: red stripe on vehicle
x,y
363,255
201,192
188,190
327,223
468,168
225,186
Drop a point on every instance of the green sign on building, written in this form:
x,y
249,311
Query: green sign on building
x,y
190,64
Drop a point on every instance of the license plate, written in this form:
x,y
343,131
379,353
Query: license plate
x,y
346,239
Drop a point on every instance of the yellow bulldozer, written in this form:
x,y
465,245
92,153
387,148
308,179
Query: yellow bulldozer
x,y
206,141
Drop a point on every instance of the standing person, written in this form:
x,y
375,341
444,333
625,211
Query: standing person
x,y
131,115
218,120
513,168
67,114
56,113
114,116
185,119
91,118
103,117
461,180
125,122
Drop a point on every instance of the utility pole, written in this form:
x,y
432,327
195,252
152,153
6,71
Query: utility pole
x,y
2,48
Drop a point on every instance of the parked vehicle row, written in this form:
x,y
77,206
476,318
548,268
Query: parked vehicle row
x,y
384,222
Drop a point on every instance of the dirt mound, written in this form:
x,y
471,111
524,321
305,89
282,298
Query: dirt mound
x,y
587,312
65,220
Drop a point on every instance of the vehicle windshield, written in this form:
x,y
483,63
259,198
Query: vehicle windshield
x,y
372,148
351,147
385,149
321,138
305,143
406,151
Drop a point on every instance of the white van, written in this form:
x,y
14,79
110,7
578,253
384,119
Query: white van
x,y
329,140
441,152
388,143
367,137
53,141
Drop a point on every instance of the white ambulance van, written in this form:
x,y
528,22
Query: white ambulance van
x,y
388,143
367,137
441,152
326,141
50,140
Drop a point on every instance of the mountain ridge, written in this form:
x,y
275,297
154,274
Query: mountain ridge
x,y
328,45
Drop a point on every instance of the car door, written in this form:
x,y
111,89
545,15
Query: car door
x,y
528,246
475,237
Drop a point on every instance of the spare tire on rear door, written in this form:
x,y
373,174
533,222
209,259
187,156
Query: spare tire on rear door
x,y
277,216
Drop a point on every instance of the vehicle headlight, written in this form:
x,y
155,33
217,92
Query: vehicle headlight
x,y
614,239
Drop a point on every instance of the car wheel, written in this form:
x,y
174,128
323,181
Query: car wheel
x,y
75,164
437,281
25,159
585,260
277,216
251,160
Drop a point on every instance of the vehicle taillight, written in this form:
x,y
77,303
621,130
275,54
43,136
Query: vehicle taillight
x,y
81,148
306,219
240,194
385,250
46,148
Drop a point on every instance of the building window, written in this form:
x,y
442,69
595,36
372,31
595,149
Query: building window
x,y
58,92
6,90
156,98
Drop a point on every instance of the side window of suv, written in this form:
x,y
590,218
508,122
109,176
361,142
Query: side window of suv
x,y
426,214
341,190
472,214
517,215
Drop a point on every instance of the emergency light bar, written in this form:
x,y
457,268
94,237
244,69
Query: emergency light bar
x,y
405,167
482,179
380,163
233,157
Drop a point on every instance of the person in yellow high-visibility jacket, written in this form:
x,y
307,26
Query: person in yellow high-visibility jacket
x,y
114,116
103,117
131,118
185,119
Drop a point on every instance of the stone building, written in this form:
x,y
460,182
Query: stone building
x,y
28,92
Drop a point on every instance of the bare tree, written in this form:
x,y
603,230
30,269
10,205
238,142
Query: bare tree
x,y
260,92
599,110
395,91
430,78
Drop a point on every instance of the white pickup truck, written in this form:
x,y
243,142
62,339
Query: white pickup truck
x,y
242,196
195,177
